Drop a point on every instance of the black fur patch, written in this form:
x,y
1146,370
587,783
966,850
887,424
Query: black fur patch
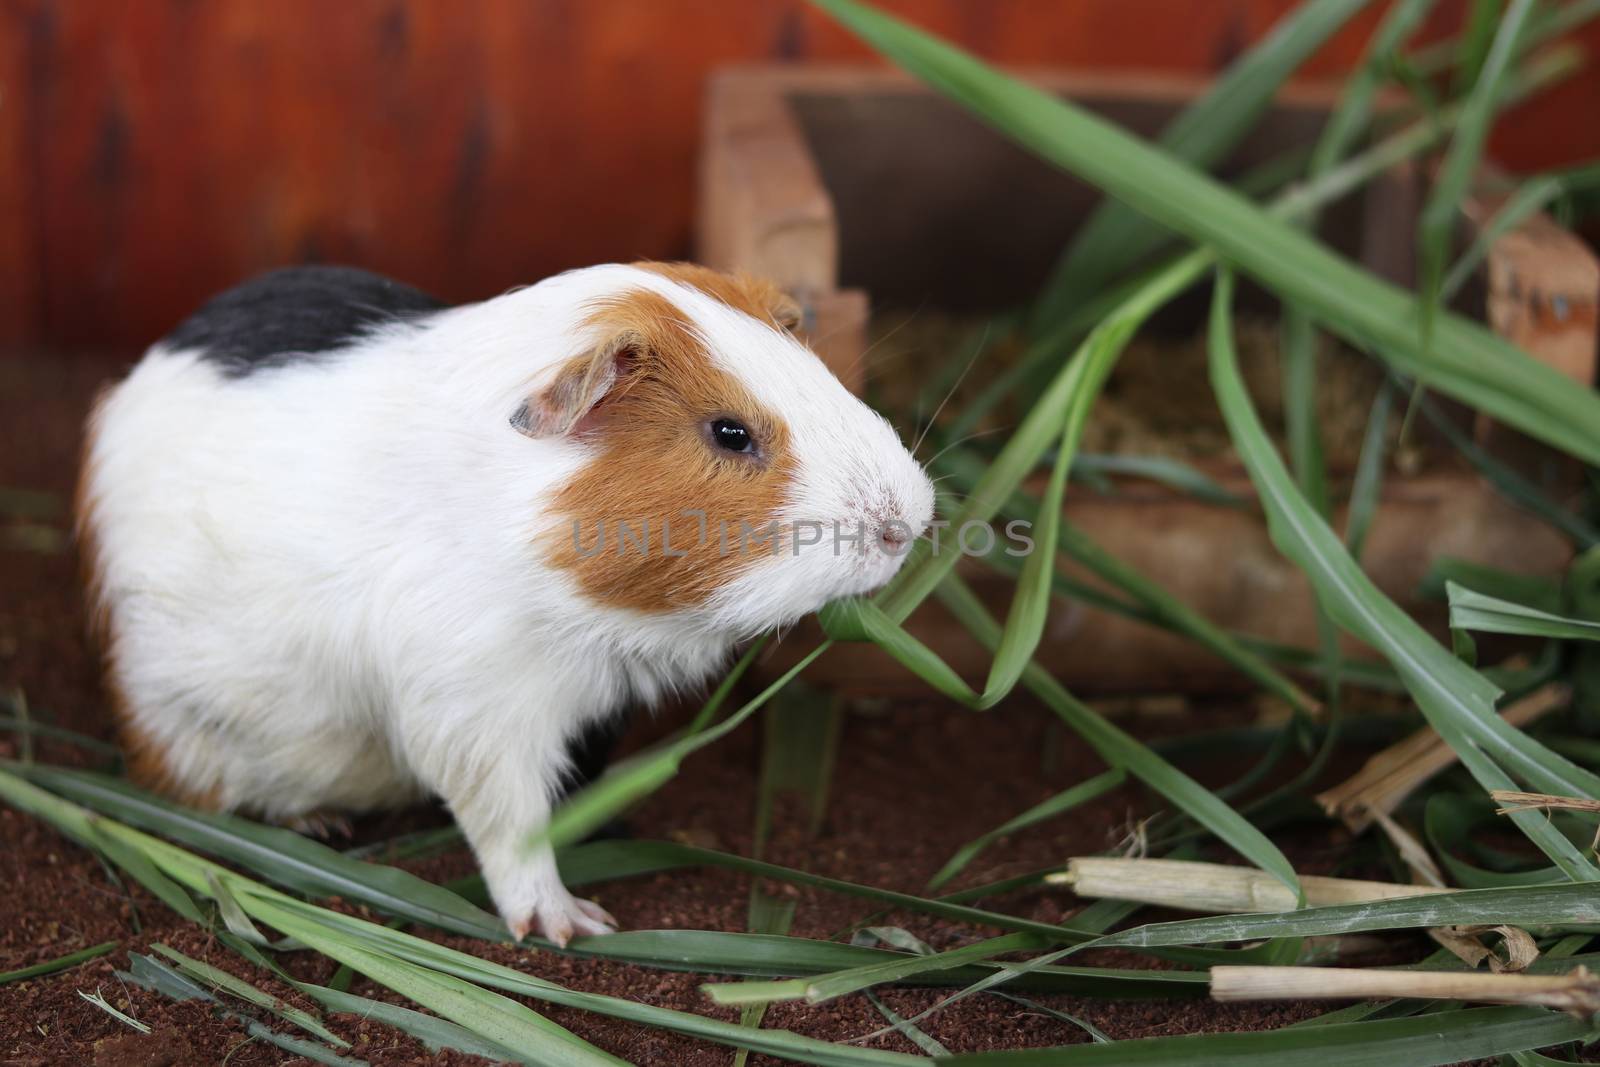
x,y
296,314
591,750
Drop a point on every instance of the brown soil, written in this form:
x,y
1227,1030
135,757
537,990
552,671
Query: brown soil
x,y
912,783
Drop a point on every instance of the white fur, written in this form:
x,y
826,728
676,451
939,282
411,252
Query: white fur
x,y
323,586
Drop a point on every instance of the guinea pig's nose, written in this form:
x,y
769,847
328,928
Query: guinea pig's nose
x,y
895,534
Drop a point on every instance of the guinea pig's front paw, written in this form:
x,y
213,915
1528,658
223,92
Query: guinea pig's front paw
x,y
559,916
526,887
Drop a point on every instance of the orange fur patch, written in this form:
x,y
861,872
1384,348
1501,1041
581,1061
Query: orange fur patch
x,y
655,462
146,759
759,298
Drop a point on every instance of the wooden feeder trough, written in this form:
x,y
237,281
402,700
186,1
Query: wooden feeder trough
x,y
858,186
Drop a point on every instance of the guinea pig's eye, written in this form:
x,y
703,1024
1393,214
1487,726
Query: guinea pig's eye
x,y
732,436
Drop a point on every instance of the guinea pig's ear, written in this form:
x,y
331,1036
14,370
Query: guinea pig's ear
x,y
786,311
580,385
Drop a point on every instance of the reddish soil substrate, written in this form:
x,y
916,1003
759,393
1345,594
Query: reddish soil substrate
x,y
913,782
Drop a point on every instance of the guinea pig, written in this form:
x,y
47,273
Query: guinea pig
x,y
349,547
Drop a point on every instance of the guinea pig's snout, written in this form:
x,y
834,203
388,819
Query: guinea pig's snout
x,y
900,522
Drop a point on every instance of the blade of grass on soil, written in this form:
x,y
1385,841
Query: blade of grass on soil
x,y
1563,904
1443,1037
60,963
581,865
217,978
1120,750
1062,802
797,759
282,856
147,972
436,1033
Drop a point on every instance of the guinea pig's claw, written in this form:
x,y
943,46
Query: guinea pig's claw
x,y
324,825
598,914
561,921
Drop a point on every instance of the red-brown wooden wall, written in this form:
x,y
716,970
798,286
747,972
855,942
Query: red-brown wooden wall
x,y
153,151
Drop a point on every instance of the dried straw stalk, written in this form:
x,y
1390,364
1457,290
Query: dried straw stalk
x,y
1577,991
1213,887
1391,775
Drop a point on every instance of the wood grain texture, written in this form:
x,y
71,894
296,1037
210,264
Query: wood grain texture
x,y
152,153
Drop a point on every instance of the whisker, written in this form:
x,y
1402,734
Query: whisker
x,y
983,343
963,440
873,346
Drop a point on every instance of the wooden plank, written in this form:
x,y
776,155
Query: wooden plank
x,y
30,26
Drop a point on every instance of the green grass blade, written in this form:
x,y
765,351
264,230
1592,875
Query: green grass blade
x,y
60,963
616,859
433,957
436,1033
144,872
1367,486
1458,702
1061,803
1298,202
1062,413
1470,610
1438,1038
1030,602
1531,197
1513,485
1563,904
923,571
1477,38
217,978
1300,375
1115,237
908,1029
497,1018
1464,361
1159,606
1451,823
771,956
864,620
282,856
627,782
147,972
1354,112
828,986
1120,750
1172,473
427,1027
1437,223
796,758
1548,23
